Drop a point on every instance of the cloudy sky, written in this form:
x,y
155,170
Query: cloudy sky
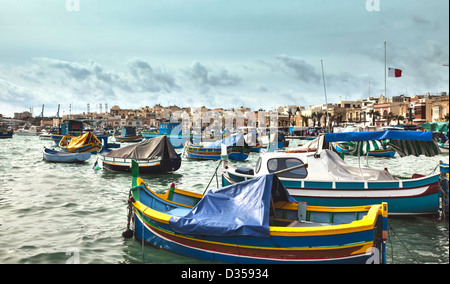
x,y
217,53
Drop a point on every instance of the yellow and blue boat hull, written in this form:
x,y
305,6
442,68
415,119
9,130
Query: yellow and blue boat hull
x,y
328,235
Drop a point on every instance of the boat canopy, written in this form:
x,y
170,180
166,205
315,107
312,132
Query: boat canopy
x,y
404,143
436,126
379,135
240,209
232,141
128,131
80,141
155,148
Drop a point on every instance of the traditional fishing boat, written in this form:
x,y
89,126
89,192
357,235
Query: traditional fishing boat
x,y
69,127
5,132
154,156
237,149
74,128
328,181
256,222
173,131
54,156
128,134
87,142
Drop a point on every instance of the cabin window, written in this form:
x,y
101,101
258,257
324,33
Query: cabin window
x,y
272,165
275,165
258,165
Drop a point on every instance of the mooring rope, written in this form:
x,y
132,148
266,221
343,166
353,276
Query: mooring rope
x,y
392,230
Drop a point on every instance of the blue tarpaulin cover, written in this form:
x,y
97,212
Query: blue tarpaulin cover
x,y
232,141
379,135
240,209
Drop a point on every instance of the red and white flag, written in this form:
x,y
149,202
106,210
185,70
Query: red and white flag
x,y
394,72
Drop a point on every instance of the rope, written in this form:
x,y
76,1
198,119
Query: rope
x,y
443,199
392,250
392,230
433,171
215,174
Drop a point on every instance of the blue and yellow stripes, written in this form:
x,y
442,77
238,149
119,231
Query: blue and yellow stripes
x,y
353,241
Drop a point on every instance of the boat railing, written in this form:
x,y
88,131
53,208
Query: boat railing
x,y
125,160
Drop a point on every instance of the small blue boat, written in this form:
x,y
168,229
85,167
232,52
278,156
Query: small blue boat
x,y
4,134
54,156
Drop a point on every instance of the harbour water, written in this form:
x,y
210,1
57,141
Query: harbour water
x,y
72,213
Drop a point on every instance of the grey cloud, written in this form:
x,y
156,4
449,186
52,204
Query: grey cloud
x,y
297,68
205,77
151,79
73,69
12,93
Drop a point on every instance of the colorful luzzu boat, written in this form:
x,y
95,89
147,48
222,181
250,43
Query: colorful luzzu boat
x,y
87,142
154,156
128,134
237,149
326,180
257,222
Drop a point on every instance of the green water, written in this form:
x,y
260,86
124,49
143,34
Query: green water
x,y
72,213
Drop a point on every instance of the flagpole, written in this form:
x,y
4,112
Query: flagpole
x,y
385,94
325,90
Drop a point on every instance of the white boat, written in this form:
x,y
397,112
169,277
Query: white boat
x,y
64,157
322,178
31,131
45,135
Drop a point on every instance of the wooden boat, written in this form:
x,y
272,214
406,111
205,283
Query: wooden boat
x,y
128,134
153,156
328,181
237,149
173,131
50,155
75,128
87,142
257,222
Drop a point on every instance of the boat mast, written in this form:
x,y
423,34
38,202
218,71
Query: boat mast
x,y
385,67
